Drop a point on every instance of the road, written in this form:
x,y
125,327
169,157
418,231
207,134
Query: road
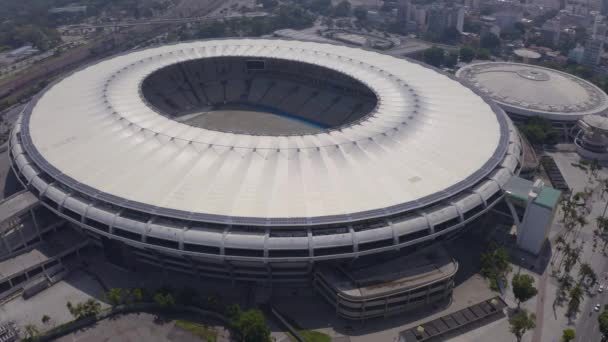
x,y
587,329
165,21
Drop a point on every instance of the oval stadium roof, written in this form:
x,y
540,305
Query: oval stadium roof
x,y
428,138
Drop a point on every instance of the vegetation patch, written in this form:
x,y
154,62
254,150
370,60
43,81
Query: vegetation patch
x,y
314,336
206,333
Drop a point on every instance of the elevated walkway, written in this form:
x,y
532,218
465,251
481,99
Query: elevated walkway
x,y
46,260
23,223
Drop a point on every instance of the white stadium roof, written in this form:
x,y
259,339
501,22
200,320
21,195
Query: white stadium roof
x,y
428,138
532,90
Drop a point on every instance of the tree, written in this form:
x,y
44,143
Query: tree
x,y
114,296
467,54
451,60
568,335
576,296
434,56
45,319
360,13
495,265
603,322
164,300
489,41
522,322
137,295
250,325
538,131
585,271
89,308
320,6
342,9
482,54
31,332
523,288
450,35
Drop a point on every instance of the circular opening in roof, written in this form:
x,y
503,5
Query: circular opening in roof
x,y
257,96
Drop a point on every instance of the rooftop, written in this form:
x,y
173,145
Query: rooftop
x,y
110,144
548,197
535,91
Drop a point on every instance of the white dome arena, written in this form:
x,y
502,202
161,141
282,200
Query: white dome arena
x,y
534,91
271,151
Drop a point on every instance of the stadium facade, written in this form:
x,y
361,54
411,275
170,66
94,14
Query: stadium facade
x,y
390,156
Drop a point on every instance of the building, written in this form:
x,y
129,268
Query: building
x,y
576,54
507,18
533,206
592,137
399,285
404,14
593,51
526,91
24,51
69,10
210,158
442,17
526,55
488,25
550,32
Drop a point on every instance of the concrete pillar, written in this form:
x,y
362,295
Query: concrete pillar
x,y
6,245
35,220
513,212
20,231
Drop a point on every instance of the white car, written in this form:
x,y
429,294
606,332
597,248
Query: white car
x,y
597,307
600,289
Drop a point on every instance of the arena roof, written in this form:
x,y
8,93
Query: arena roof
x,y
527,53
598,122
428,138
532,90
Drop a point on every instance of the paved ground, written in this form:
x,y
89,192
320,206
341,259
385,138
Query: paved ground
x,y
551,321
76,288
136,328
312,312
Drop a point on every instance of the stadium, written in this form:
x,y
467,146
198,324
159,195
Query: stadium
x,y
526,91
261,159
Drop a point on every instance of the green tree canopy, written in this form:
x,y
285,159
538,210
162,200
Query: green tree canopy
x,y
523,287
88,308
538,131
603,322
489,41
250,325
450,35
482,54
342,9
360,13
586,271
522,322
320,6
451,60
114,296
434,56
164,299
467,54
568,335
495,264
576,296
